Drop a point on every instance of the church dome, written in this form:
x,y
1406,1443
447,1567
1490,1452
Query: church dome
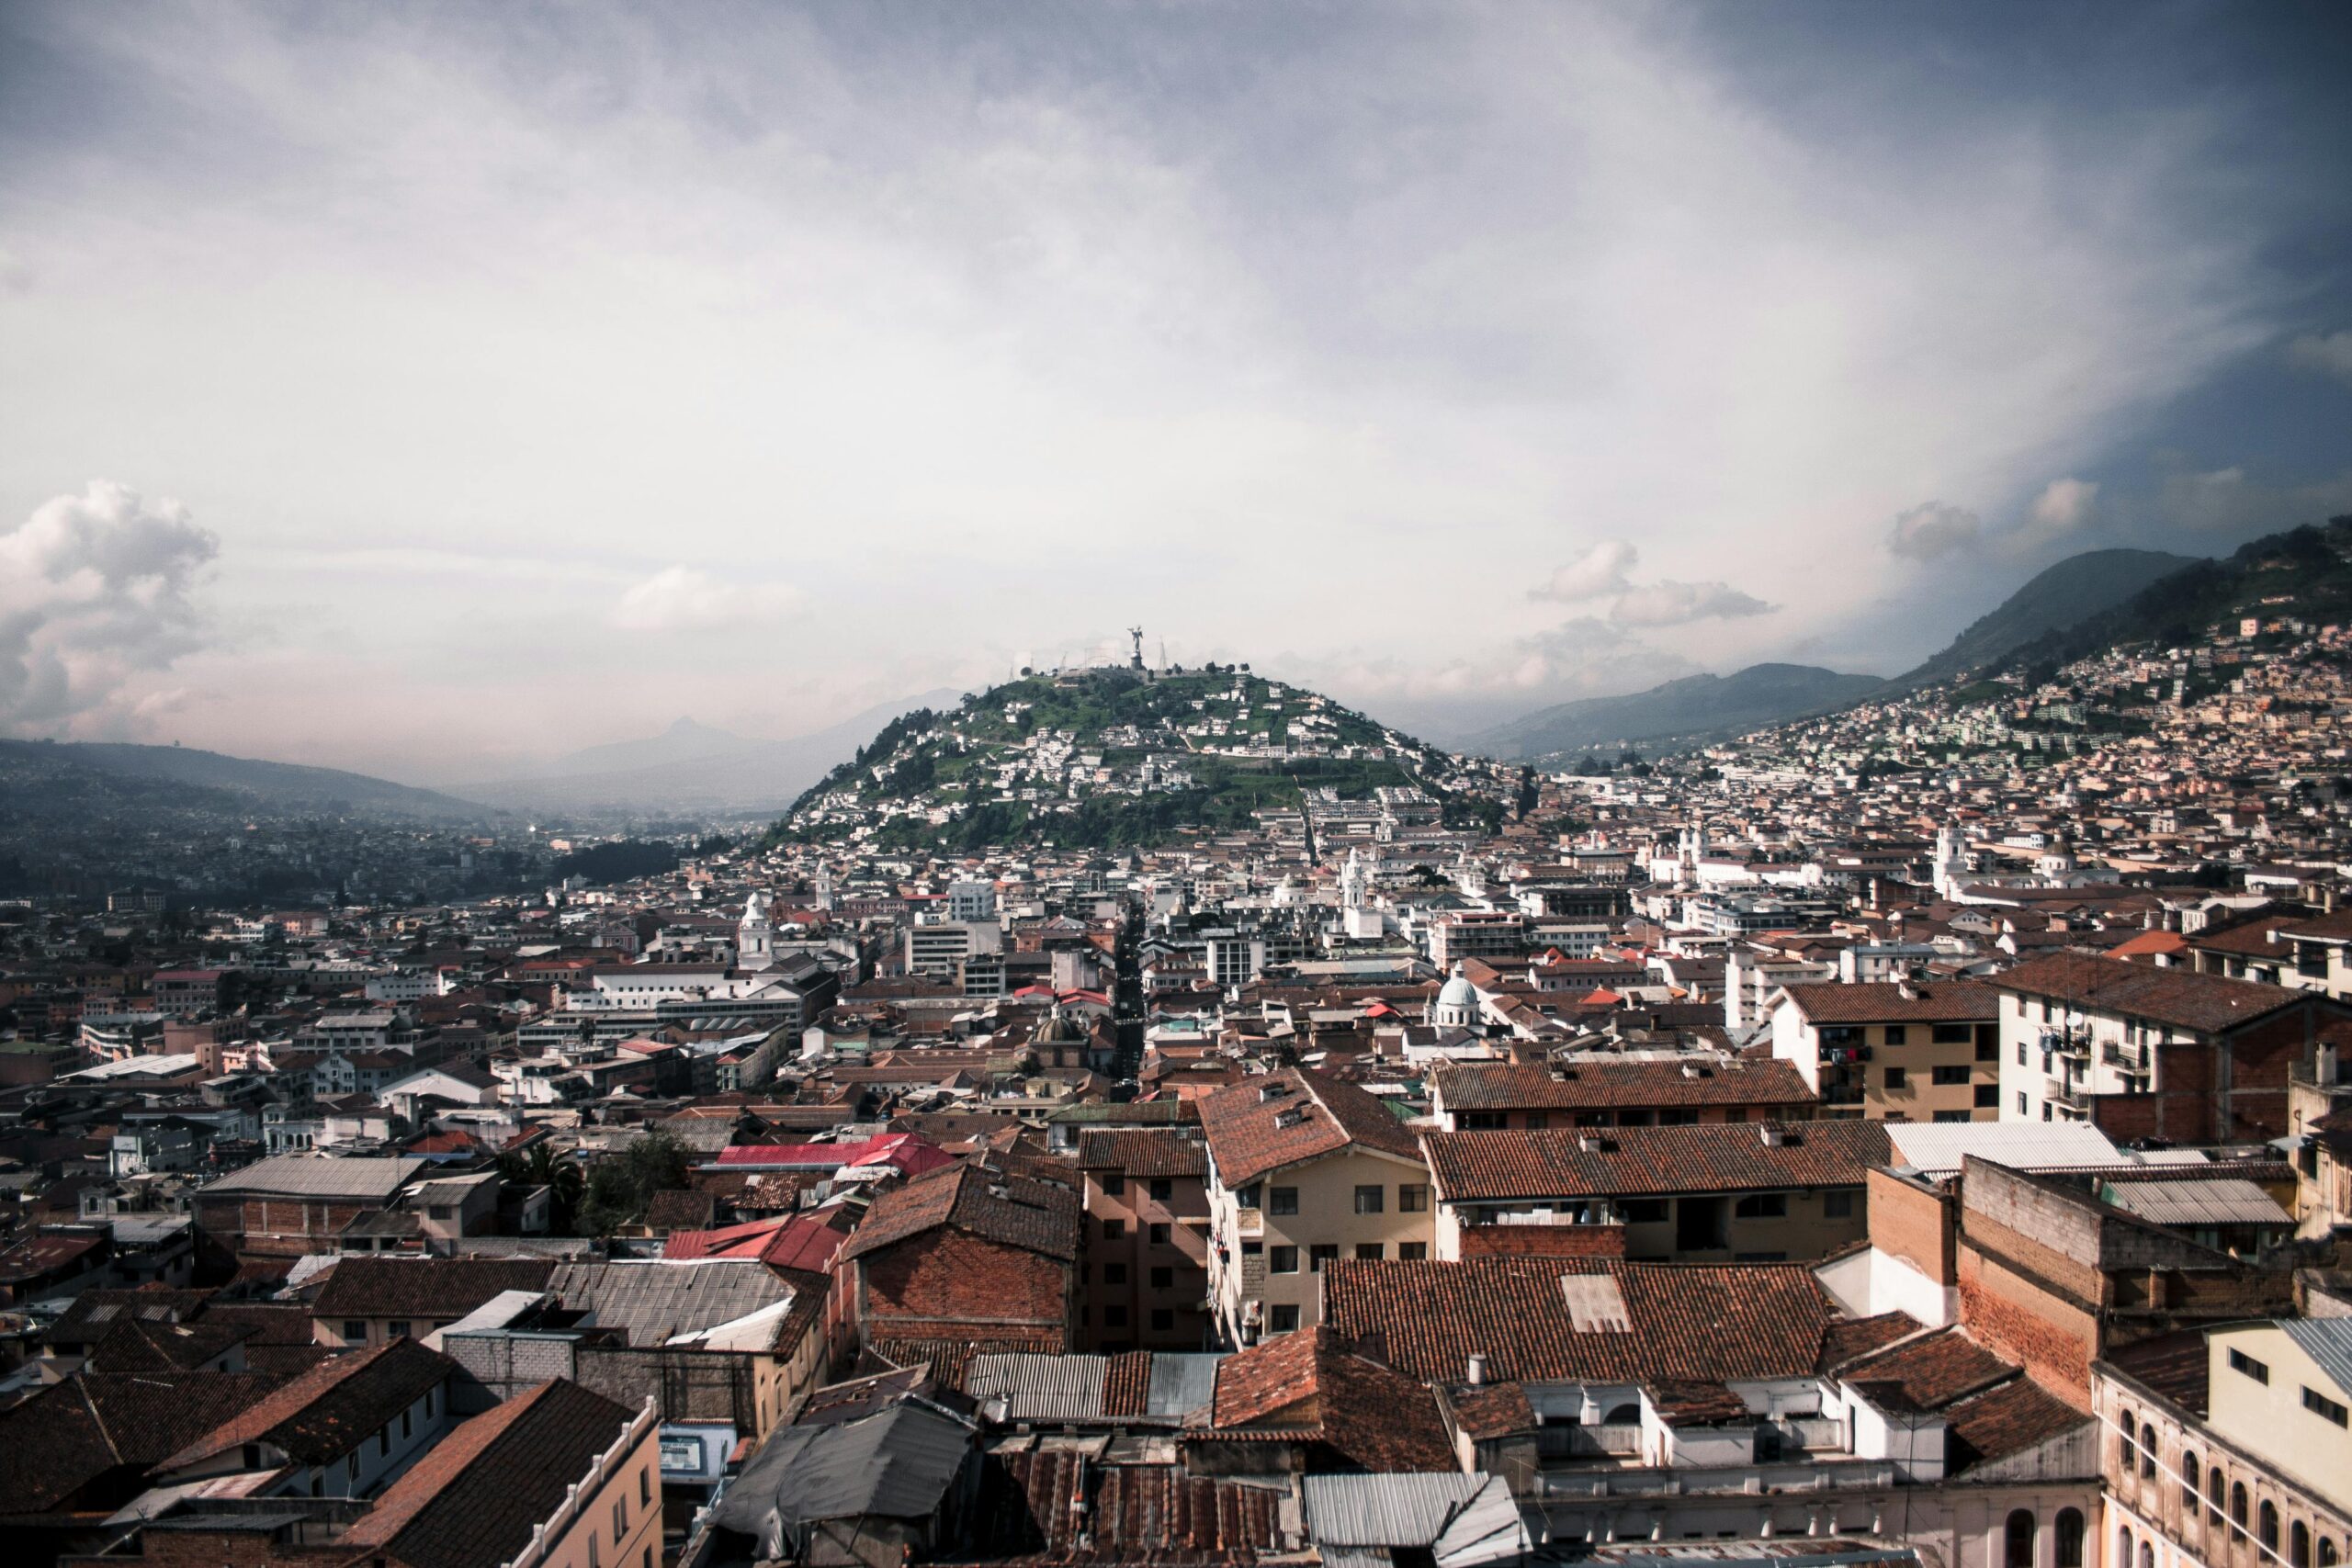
x,y
1458,992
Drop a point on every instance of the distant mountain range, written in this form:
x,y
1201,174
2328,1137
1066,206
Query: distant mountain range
x,y
692,767
2081,590
179,776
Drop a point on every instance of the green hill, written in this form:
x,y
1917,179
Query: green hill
x,y
1692,710
1105,758
2064,595
210,781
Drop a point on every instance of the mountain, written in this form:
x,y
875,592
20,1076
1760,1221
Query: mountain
x,y
183,777
2066,594
1693,709
1109,758
693,768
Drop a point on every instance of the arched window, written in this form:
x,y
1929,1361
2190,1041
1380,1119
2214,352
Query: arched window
x,y
2298,1545
1627,1415
2069,1529
2237,1507
2189,1488
2327,1552
2122,1549
2124,1427
2020,1538
2213,1496
2147,1554
2270,1527
2147,1451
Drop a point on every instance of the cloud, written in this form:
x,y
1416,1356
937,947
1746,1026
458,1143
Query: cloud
x,y
2064,506
1933,530
684,598
1670,604
95,589
1599,570
2226,500
2330,354
1604,571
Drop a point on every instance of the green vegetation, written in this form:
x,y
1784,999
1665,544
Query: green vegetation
x,y
621,1187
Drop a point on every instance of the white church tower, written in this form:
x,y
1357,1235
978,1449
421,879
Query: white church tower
x,y
1352,880
755,935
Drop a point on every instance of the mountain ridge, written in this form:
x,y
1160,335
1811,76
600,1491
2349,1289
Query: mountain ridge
x,y
1688,709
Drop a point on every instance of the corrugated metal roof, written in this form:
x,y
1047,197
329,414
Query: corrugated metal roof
x,y
1180,1384
1040,1387
656,1301
897,1464
1385,1510
2328,1341
2231,1200
308,1176
1936,1147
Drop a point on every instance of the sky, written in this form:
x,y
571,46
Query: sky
x,y
433,390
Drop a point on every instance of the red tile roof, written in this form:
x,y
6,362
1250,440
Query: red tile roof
x,y
1600,1083
1037,1217
1283,1118
1310,1385
1642,1161
2179,998
1896,1001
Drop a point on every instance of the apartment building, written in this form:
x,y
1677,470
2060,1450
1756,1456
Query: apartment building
x,y
1144,1280
1898,1050
2229,1447
1304,1170
1677,1090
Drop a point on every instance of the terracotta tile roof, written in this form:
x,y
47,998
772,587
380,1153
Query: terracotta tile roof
x,y
1309,1385
1851,1338
473,1500
2175,1366
1127,1383
1639,1161
65,1437
1143,1154
1491,1410
2018,1416
1037,1217
1885,1001
1699,1322
433,1290
1135,1514
1281,1118
1596,1084
1927,1373
2176,998
330,1410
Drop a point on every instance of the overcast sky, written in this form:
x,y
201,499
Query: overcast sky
x,y
433,390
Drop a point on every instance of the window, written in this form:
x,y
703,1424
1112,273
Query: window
x,y
2017,1538
1896,1034
2213,1496
1371,1200
1115,1316
1163,1319
1113,1230
1538,1121
1285,1201
1644,1210
2021,1062
1282,1260
1898,1077
1162,1189
383,1439
1370,1251
1114,1184
1838,1205
2124,1429
408,1425
645,1486
2242,1362
2149,1449
1412,1251
1413,1198
2268,1529
355,1330
620,1518
428,1404
2123,1549
2237,1508
351,1465
2298,1545
1319,1254
1988,1096
1950,1116
2068,1527
2189,1488
1282,1319
1762,1206
1247,1197
2320,1405
1114,1273
1951,1076
594,1560
1482,1122
1163,1278
1951,1034
1159,1235
1988,1044
2022,1111
2326,1552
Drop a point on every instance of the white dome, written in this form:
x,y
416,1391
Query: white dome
x,y
1458,992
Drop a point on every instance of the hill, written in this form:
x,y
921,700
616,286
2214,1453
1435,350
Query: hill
x,y
1690,711
2064,595
1108,758
183,777
694,768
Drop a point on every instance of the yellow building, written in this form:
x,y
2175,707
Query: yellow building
x,y
1896,1050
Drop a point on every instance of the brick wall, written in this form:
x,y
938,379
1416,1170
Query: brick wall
x,y
945,1283
2018,1319
1542,1241
1911,1220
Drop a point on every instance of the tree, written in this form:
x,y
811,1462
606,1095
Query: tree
x,y
1529,793
541,1168
621,1187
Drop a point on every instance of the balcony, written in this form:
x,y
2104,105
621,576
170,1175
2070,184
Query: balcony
x,y
1569,1442
2116,1056
1746,1480
1250,1223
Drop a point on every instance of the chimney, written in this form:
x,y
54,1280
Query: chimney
x,y
1774,1137
1476,1373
